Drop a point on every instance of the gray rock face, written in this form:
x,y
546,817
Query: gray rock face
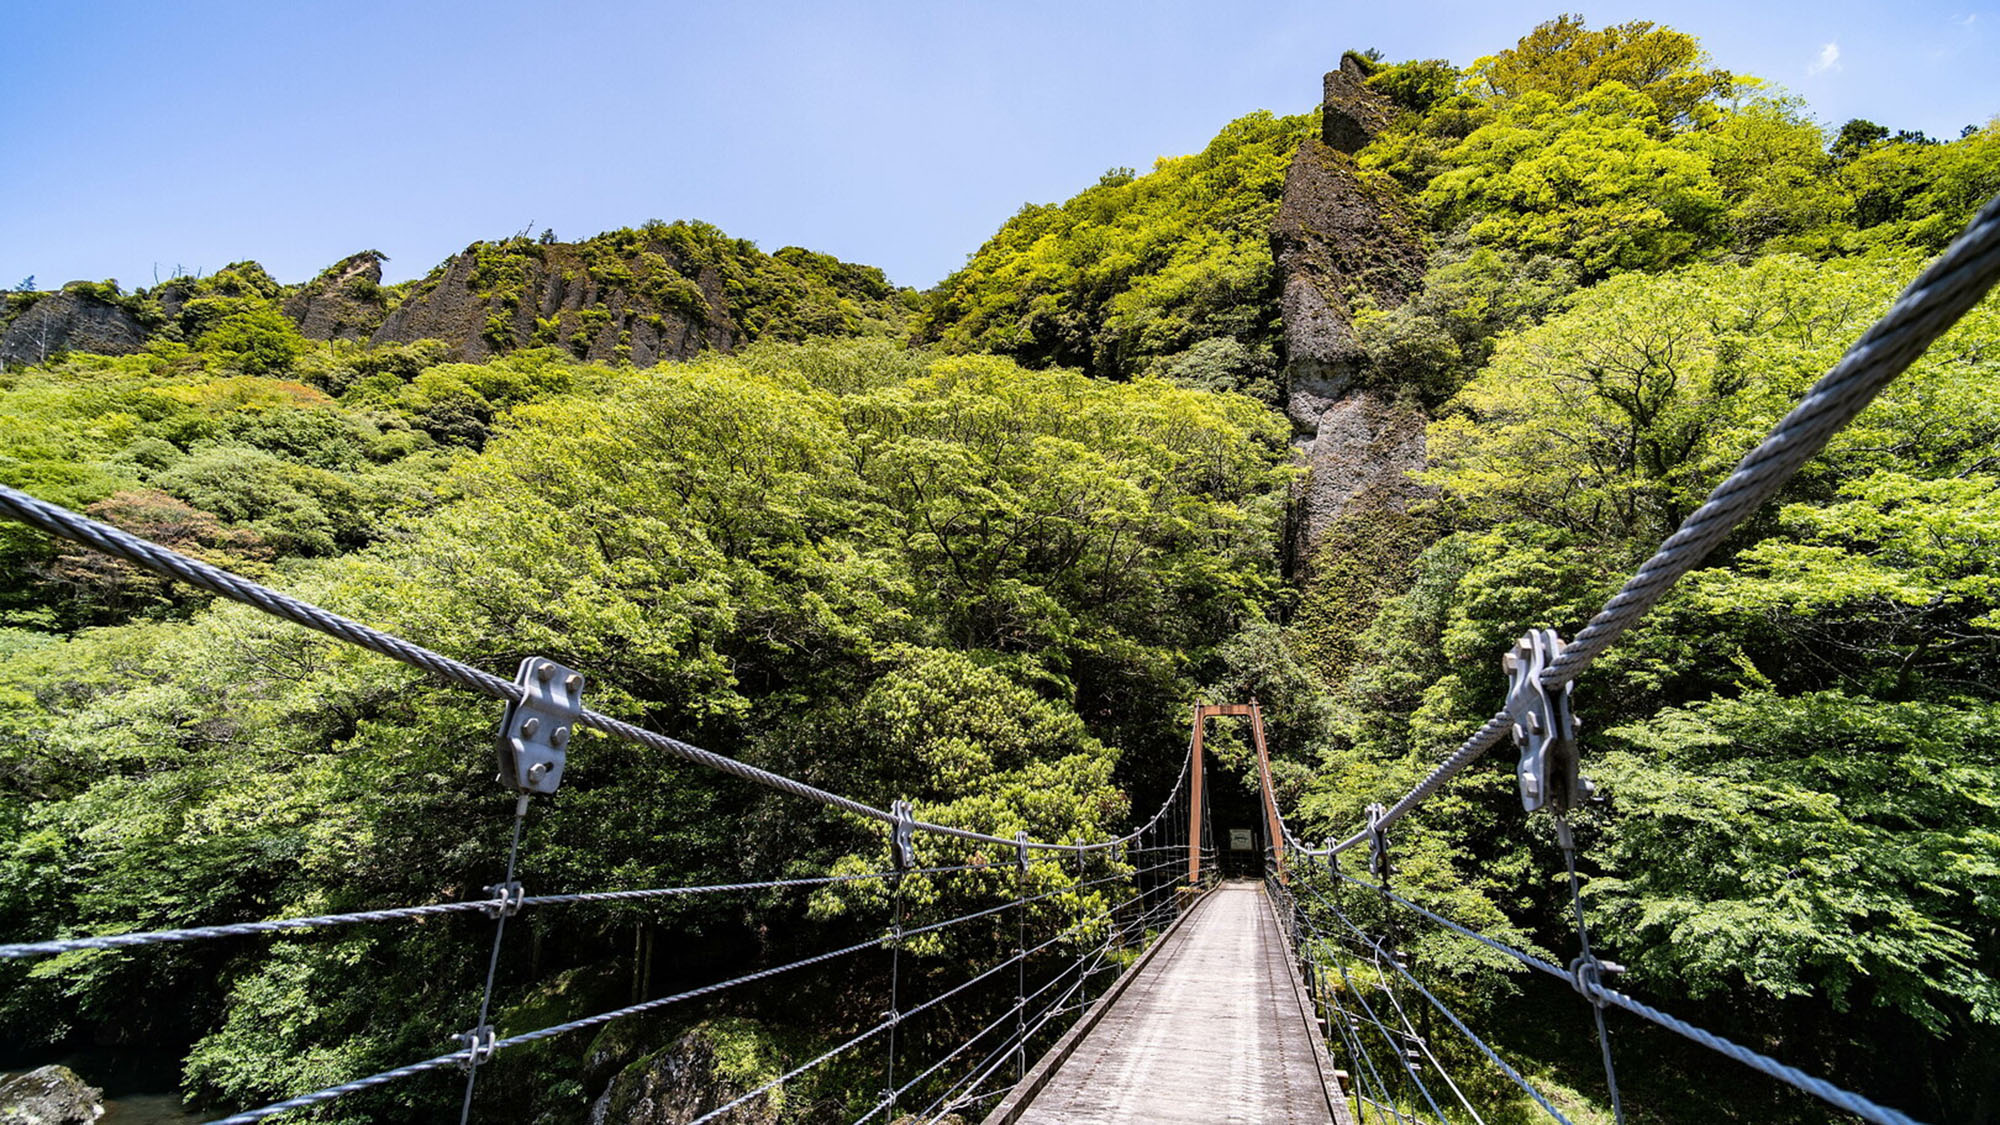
x,y
1359,458
452,308
676,1085
70,322
342,303
1351,114
52,1095
1338,233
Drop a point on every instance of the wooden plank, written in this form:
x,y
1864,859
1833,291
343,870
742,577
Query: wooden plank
x,y
1209,1031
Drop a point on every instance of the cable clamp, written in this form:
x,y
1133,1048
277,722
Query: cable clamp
x,y
1021,851
479,1044
535,731
903,837
506,899
1586,975
1378,843
1544,729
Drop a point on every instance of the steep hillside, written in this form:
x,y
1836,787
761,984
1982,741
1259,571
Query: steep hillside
x,y
1168,274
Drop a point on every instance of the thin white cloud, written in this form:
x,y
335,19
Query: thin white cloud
x,y
1829,59
1967,20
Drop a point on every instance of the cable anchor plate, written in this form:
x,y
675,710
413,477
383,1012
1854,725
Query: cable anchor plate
x,y
535,731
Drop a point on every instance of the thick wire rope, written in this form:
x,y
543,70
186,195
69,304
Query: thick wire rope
x,y
1423,1044
1841,1099
895,1018
1927,308
1358,1044
1019,1039
1350,1035
1587,962
1390,1035
461,1057
1056,1008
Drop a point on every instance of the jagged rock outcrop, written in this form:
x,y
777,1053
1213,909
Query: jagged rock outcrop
x,y
71,322
494,298
1350,114
345,302
1339,233
50,1095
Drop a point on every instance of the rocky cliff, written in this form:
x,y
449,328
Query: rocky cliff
x,y
1340,236
346,302
496,297
73,320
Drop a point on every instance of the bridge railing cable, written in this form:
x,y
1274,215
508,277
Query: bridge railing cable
x,y
1595,991
102,537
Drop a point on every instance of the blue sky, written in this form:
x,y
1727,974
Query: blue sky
x,y
141,137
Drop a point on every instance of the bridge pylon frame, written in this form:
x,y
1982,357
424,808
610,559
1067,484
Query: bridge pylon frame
x,y
1275,834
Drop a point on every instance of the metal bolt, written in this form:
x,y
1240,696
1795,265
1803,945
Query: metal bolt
x,y
529,727
544,671
573,683
560,737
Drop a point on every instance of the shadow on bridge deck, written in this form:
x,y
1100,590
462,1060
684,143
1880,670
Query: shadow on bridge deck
x,y
1212,1027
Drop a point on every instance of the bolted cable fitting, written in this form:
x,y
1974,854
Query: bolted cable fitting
x,y
902,837
535,731
1586,975
1021,851
1543,729
1379,864
506,899
480,1043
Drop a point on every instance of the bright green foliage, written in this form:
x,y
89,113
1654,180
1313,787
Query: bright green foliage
x,y
1130,273
954,581
1433,342
691,270
1922,195
1618,416
1589,178
1564,59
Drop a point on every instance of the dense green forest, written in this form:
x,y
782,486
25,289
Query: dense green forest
x,y
980,549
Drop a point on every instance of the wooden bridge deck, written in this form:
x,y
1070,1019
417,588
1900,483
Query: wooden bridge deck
x,y
1213,1027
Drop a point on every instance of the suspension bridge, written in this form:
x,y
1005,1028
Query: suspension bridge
x,y
1129,981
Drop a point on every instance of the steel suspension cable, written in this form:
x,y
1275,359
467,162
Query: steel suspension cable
x,y
102,537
